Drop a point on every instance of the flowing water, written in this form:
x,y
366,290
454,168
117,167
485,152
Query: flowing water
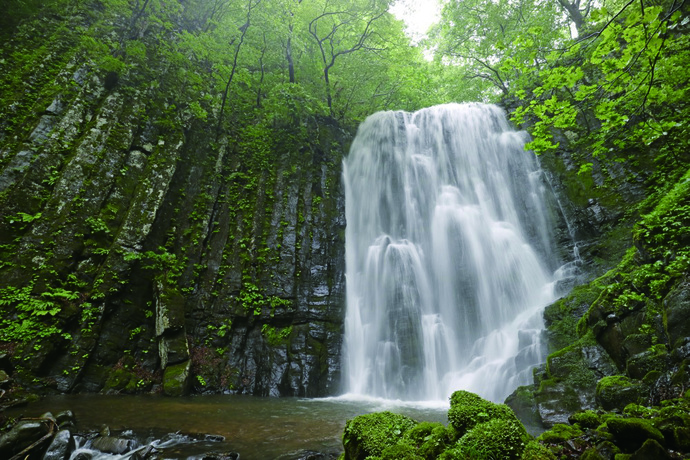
x,y
256,428
449,255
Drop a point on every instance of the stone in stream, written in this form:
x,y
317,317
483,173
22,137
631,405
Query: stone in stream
x,y
61,447
113,445
216,456
22,435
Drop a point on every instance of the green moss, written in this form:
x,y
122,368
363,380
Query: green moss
x,y
497,438
467,410
635,410
370,434
631,433
569,364
176,379
537,451
585,419
560,433
431,438
562,316
617,391
400,452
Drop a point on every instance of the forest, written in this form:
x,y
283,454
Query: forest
x,y
172,213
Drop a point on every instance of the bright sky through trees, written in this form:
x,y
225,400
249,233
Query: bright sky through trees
x,y
418,15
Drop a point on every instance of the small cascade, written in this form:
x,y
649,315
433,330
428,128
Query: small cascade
x,y
449,255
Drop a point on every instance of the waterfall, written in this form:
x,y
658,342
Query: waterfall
x,y
448,252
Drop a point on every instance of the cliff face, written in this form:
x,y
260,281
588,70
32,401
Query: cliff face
x,y
618,337
142,245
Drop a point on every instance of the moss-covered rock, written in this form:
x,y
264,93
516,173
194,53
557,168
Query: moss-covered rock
x,y
176,379
560,433
430,438
534,450
467,410
617,391
631,433
585,419
650,449
401,452
371,434
497,438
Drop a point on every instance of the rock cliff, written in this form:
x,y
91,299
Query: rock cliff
x,y
141,245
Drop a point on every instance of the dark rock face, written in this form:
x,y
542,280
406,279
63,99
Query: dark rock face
x,y
169,255
22,435
60,447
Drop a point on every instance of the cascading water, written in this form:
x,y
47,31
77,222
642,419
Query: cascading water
x,y
448,252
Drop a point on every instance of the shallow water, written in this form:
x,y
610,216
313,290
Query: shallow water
x,y
257,428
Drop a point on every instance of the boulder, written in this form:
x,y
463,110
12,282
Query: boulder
x,y
113,445
22,435
617,391
176,379
651,449
61,446
370,434
677,304
631,433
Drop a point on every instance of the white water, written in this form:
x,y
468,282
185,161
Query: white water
x,y
448,251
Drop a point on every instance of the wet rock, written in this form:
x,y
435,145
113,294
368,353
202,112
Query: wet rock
x,y
631,433
556,401
83,456
4,379
677,304
216,456
113,445
214,438
616,392
22,435
309,455
176,379
523,403
61,446
65,419
642,363
651,449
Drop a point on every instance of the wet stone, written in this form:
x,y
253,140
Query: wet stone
x,y
61,446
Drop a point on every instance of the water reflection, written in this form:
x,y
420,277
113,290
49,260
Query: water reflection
x,y
257,428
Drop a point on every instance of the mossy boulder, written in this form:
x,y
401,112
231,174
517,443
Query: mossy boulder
x,y
650,449
631,433
674,423
523,403
560,433
497,438
430,438
585,419
176,379
534,450
617,391
648,361
371,434
468,410
400,452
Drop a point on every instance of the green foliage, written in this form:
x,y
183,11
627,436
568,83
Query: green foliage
x,y
275,336
29,315
467,410
497,438
370,434
537,451
585,419
560,433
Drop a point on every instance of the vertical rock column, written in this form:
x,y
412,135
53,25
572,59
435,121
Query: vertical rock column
x,y
173,348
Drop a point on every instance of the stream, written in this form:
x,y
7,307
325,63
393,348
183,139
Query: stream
x,y
256,428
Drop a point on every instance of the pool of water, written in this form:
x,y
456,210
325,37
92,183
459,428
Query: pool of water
x,y
256,428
